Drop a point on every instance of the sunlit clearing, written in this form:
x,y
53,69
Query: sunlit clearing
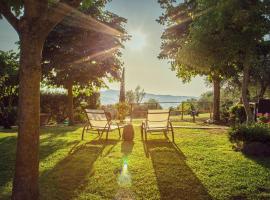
x,y
138,40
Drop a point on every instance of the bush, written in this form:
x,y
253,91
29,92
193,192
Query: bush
x,y
79,115
238,114
9,82
250,133
86,101
225,111
55,104
123,110
264,118
83,101
8,116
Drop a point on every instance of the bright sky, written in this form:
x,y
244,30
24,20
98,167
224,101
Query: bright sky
x,y
140,56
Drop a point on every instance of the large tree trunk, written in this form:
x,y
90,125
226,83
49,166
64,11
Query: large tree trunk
x,y
245,100
216,100
25,183
70,103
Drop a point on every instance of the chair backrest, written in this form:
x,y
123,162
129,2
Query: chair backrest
x,y
158,118
96,118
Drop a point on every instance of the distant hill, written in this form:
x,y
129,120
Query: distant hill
x,y
112,97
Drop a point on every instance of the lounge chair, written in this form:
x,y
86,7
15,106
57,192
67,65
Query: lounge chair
x,y
157,121
97,120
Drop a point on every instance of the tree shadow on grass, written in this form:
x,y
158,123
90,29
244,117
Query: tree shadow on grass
x,y
48,145
8,156
175,179
7,159
57,131
127,147
70,176
261,160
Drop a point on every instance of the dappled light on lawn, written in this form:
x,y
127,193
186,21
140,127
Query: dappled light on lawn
x,y
201,165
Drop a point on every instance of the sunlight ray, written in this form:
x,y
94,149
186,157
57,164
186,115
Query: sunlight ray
x,y
98,54
191,17
81,20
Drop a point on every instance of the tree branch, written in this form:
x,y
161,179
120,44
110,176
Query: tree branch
x,y
6,12
57,12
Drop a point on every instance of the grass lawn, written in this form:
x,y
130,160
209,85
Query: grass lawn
x,y
200,165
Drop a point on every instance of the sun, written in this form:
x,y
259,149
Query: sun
x,y
137,41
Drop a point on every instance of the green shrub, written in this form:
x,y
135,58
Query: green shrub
x,y
87,101
8,116
257,132
225,111
54,103
264,118
9,82
238,114
122,110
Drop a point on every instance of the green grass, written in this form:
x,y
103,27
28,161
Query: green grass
x,y
201,165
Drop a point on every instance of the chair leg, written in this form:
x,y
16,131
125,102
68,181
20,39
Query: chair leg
x,y
119,132
172,135
100,136
145,132
142,132
84,130
166,134
172,132
107,133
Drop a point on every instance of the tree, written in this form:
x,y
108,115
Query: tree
x,y
130,96
33,21
9,82
135,96
153,104
122,97
175,47
139,94
74,56
261,69
225,35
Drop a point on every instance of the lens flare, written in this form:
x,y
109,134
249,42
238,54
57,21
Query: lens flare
x,y
124,179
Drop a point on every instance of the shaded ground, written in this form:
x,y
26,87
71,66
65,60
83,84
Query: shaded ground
x,y
200,165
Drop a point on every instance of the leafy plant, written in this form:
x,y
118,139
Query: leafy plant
x,y
9,88
257,132
225,111
54,103
238,114
123,110
264,118
8,116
